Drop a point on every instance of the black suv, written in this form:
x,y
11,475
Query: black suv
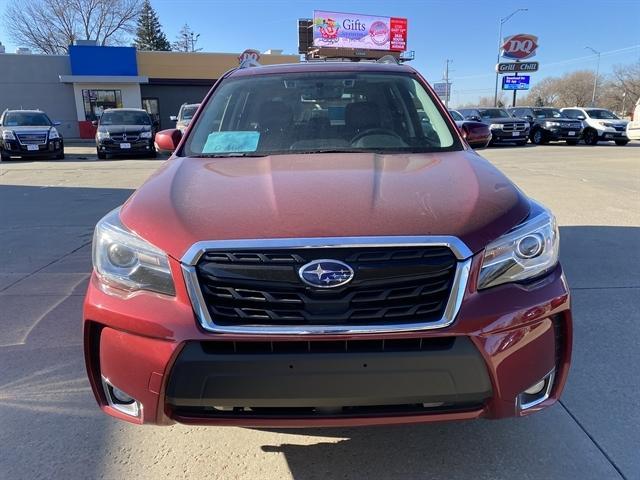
x,y
29,133
548,124
125,131
504,128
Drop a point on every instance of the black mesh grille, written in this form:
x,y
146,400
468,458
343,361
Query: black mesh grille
x,y
390,286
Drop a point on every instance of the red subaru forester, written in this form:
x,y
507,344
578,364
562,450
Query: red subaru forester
x,y
324,248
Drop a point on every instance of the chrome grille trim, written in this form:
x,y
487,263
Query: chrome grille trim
x,y
460,250
35,138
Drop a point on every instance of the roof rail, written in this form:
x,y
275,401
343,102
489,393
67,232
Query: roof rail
x,y
388,59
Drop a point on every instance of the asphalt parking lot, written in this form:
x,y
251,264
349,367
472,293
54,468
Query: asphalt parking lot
x,y
50,426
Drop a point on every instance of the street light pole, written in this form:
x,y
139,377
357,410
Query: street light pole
x,y
502,22
595,79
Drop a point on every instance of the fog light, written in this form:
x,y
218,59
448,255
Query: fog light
x,y
120,400
537,388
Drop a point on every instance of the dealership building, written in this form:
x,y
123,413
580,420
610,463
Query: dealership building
x,y
74,89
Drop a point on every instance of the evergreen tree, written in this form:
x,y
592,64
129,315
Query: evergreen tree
x,y
149,34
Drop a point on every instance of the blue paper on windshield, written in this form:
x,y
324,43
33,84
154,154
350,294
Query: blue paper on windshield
x,y
231,142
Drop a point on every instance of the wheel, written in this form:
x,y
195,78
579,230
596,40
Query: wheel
x,y
572,142
101,156
58,156
622,143
590,137
538,137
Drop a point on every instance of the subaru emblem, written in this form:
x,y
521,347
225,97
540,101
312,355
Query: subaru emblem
x,y
326,273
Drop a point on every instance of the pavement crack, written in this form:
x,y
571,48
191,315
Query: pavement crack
x,y
45,266
594,441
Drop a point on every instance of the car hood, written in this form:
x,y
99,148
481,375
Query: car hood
x,y
324,195
27,129
489,121
118,129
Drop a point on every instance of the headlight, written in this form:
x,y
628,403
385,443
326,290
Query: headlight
x,y
552,124
53,134
125,261
606,124
8,135
526,125
145,135
496,126
103,134
528,250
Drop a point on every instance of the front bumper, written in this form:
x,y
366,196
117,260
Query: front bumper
x,y
563,133
500,136
504,340
15,148
606,135
110,147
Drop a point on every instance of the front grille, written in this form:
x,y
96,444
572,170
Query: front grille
x,y
129,139
32,138
391,285
514,127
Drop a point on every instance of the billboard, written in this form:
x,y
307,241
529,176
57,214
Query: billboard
x,y
443,90
519,46
352,30
515,83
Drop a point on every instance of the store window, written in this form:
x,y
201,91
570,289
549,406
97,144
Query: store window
x,y
152,106
97,101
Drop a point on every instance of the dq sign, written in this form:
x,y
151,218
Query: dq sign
x,y
520,46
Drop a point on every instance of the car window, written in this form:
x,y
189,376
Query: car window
x,y
571,113
188,112
493,113
26,119
291,113
547,113
456,116
601,114
125,117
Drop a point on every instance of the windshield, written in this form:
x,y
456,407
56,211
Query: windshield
x,y
320,112
456,116
602,114
547,113
125,117
189,112
26,119
493,113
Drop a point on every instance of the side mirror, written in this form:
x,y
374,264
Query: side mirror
x,y
528,118
580,117
168,140
57,123
94,123
173,118
475,118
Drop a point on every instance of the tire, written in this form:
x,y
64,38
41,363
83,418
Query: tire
x,y
58,156
622,143
4,158
538,137
572,142
590,136
101,156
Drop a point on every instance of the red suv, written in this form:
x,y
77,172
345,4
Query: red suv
x,y
323,248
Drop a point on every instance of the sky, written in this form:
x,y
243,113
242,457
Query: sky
x,y
466,32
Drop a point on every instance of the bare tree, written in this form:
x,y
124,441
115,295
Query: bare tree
x,y
186,40
50,26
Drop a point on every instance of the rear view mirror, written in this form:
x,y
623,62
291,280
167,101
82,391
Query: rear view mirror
x,y
168,140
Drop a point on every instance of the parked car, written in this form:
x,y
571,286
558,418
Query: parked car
x,y
317,255
633,127
125,131
186,113
599,125
504,127
28,134
477,134
549,124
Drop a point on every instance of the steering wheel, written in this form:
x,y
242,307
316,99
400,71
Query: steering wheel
x,y
376,131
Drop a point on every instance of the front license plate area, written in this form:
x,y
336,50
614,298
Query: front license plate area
x,y
124,146
32,148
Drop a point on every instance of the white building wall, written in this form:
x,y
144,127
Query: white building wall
x,y
131,97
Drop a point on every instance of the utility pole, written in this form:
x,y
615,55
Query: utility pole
x,y
502,22
595,79
446,82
